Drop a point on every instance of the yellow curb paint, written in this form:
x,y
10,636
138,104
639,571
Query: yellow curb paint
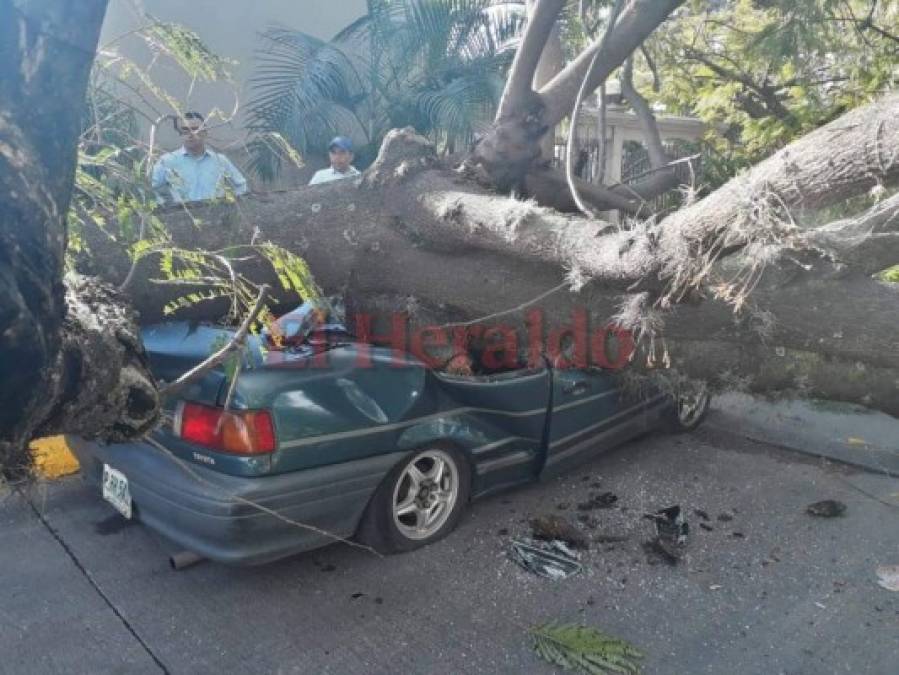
x,y
52,457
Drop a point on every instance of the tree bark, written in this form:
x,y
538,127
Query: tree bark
x,y
551,62
637,21
63,365
509,151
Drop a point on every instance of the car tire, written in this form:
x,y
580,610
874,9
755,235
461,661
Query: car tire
x,y
689,409
418,502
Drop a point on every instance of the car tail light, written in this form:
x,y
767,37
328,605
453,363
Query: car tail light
x,y
241,432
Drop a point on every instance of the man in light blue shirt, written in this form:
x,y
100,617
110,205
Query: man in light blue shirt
x,y
194,172
340,152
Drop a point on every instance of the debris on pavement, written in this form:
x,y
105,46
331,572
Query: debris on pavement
x,y
548,559
552,527
706,527
588,521
584,649
699,513
671,532
603,500
725,517
605,538
888,577
829,508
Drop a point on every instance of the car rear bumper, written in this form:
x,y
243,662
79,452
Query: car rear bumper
x,y
215,515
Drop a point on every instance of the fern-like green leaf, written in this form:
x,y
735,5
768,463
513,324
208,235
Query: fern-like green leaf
x,y
584,649
889,274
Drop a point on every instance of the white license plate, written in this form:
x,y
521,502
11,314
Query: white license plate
x,y
116,491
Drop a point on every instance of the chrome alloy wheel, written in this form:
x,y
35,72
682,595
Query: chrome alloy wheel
x,y
691,406
425,494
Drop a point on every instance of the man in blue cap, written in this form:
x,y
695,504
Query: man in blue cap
x,y
340,151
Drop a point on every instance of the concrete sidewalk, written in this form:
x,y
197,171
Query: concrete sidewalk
x,y
838,431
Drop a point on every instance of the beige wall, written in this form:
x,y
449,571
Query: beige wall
x,y
231,29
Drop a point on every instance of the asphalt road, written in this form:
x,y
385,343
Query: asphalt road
x,y
768,589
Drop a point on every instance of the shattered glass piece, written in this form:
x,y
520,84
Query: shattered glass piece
x,y
548,559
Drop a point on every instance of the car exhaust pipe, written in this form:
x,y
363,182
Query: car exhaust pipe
x,y
184,559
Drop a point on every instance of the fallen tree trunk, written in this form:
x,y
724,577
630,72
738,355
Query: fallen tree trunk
x,y
416,237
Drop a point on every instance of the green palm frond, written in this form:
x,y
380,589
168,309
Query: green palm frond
x,y
305,90
461,107
435,65
584,649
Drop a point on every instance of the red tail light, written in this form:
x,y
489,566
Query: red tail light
x,y
241,432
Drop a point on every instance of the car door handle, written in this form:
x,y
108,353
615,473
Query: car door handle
x,y
577,388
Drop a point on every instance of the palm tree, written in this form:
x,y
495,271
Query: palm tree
x,y
436,65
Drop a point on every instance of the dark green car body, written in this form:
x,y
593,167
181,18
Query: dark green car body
x,y
343,419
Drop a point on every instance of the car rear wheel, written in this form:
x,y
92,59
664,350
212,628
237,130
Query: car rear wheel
x,y
690,408
419,502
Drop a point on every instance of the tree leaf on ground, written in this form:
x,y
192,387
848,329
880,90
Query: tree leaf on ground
x,y
584,649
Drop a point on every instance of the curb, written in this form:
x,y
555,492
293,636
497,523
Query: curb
x,y
841,432
52,458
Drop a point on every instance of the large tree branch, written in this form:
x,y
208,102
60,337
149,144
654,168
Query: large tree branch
x,y
443,249
552,60
868,243
518,90
550,188
648,125
638,20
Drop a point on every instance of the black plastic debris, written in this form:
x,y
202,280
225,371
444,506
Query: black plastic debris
x,y
671,531
548,559
829,508
603,500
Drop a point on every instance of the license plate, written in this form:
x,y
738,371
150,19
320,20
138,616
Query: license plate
x,y
116,491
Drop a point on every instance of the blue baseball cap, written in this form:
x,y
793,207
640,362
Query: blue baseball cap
x,y
341,142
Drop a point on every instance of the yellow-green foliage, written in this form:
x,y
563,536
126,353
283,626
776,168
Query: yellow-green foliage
x,y
584,649
890,274
764,73
112,191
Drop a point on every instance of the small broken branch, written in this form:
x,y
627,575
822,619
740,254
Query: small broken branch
x,y
219,357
